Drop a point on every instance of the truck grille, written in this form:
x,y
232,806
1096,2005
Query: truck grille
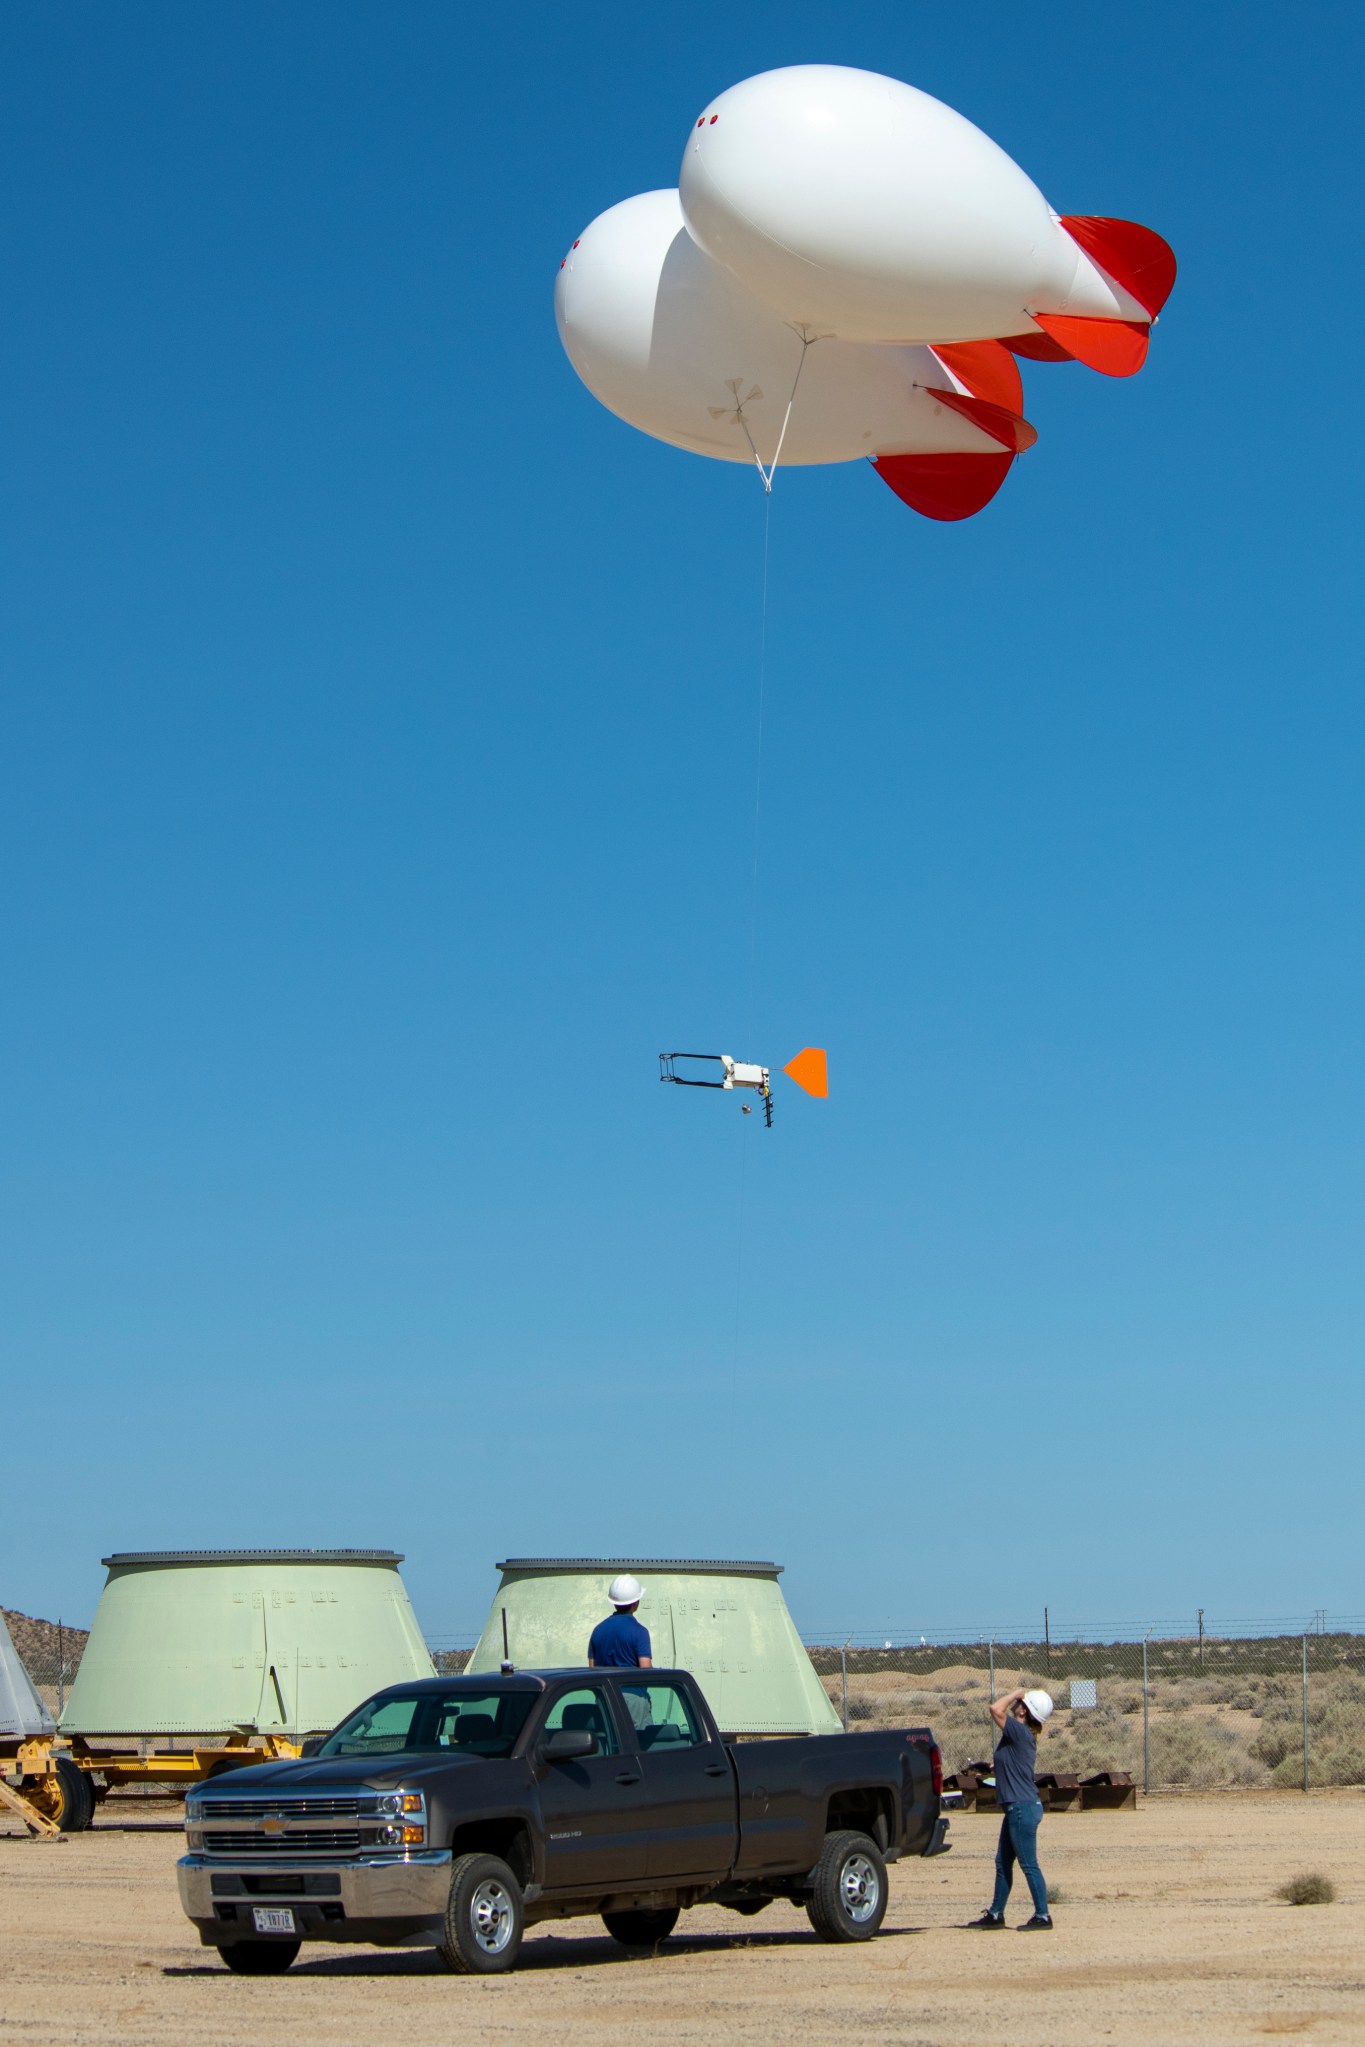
x,y
287,1808
298,1841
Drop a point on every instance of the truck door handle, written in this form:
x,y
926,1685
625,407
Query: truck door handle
x,y
629,1777
717,1769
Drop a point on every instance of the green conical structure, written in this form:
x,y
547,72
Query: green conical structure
x,y
725,1622
265,1641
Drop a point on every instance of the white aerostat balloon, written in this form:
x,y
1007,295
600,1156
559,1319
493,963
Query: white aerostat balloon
x,y
668,341
862,207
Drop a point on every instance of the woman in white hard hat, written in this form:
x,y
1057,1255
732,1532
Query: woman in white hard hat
x,y
1019,1717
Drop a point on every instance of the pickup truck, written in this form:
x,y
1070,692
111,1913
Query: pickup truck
x,y
455,1811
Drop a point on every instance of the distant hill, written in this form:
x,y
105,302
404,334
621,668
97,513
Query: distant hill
x,y
37,1643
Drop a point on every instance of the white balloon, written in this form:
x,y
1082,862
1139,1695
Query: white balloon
x,y
668,341
870,210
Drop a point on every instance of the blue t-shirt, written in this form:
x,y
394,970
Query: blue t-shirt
x,y
619,1643
1015,1754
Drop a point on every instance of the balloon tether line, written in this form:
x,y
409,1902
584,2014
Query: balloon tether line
x,y
753,930
806,338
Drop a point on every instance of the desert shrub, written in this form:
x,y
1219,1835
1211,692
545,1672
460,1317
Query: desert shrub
x,y
861,1707
1342,1764
1200,1755
1100,1738
1312,1888
1273,1742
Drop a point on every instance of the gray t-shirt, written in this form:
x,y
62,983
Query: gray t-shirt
x,y
1015,1752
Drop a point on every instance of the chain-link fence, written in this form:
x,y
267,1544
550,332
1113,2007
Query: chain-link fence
x,y
1206,1711
1202,1713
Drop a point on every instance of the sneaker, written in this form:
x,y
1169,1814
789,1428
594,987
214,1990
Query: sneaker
x,y
1041,1922
989,1922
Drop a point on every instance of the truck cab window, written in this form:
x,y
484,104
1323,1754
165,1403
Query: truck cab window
x,y
379,1729
481,1722
668,1720
587,1711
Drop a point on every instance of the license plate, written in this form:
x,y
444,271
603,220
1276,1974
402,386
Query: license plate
x,y
273,1919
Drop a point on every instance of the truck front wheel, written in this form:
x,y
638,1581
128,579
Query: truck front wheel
x,y
848,1888
484,1918
641,1929
260,1957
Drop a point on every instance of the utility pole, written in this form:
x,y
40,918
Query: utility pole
x,y
1201,1638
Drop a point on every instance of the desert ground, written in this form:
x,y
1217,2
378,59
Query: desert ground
x,y
1167,1929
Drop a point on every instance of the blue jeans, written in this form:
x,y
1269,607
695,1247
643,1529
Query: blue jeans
x,y
1019,1842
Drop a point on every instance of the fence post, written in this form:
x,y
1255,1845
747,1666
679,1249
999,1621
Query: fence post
x,y
843,1665
1146,1723
61,1672
992,1669
1305,1712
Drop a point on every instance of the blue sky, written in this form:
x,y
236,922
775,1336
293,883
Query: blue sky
x,y
378,787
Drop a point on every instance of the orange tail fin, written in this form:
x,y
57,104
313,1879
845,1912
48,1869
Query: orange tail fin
x,y
810,1071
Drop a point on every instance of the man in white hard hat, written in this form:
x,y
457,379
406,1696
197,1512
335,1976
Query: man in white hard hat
x,y
620,1642
1019,1717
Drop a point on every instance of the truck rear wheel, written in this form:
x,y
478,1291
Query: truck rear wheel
x,y
261,1957
65,1795
848,1888
484,1918
641,1929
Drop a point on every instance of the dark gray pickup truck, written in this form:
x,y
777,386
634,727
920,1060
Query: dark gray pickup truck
x,y
455,1811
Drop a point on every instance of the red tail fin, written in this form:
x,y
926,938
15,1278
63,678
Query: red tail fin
x,y
1117,348
1012,431
987,369
1036,347
1133,256
944,486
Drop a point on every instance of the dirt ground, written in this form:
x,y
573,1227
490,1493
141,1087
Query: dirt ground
x,y
1167,1930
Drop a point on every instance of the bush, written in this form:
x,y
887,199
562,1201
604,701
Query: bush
x,y
1200,1755
1310,1889
1274,1741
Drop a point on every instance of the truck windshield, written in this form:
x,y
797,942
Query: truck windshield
x,y
432,1723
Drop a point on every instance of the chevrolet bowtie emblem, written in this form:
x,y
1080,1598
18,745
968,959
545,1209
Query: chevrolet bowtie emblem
x,y
273,1823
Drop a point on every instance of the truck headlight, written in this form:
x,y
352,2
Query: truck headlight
x,y
194,1837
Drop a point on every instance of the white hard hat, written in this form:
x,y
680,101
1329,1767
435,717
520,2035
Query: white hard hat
x,y
625,1590
1038,1705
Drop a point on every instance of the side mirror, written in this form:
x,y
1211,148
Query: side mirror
x,y
312,1745
568,1745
